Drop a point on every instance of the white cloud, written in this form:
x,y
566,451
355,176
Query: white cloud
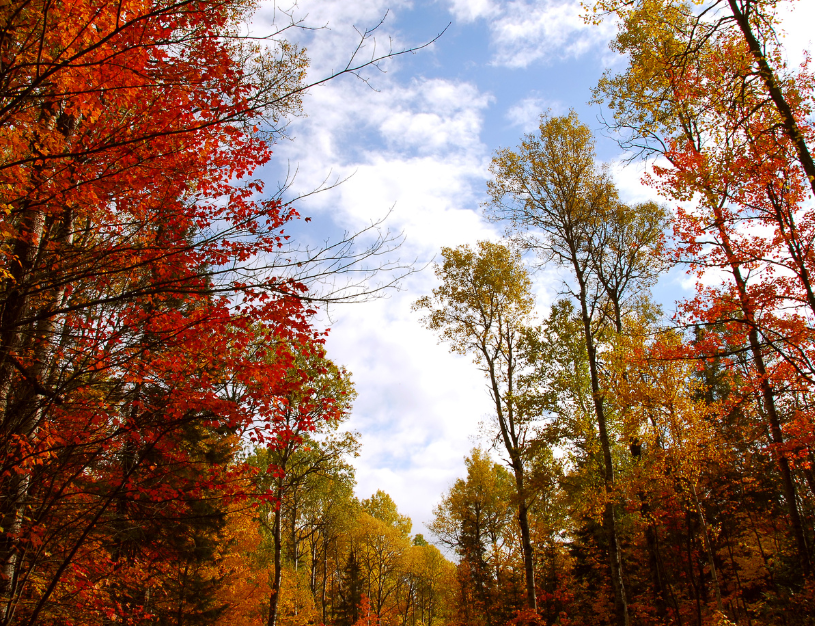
x,y
414,145
526,113
540,31
434,116
471,10
418,405
628,176
523,32
796,19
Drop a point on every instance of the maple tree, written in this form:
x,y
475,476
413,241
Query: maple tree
x,y
295,453
737,136
151,307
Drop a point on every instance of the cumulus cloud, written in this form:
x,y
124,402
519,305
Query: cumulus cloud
x,y
523,32
418,405
414,145
471,10
796,20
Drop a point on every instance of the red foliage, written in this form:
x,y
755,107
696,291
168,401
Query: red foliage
x,y
367,616
143,319
526,617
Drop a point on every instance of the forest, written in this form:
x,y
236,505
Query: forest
x,y
174,441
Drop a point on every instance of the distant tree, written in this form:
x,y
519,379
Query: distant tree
x,y
382,507
350,592
295,453
475,519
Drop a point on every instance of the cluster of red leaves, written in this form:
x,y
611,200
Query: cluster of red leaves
x,y
751,225
746,233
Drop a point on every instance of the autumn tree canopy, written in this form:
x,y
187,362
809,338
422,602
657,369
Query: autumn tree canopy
x,y
174,441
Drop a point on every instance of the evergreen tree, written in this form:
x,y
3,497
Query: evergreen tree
x,y
350,593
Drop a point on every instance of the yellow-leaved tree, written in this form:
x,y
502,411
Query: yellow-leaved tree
x,y
481,308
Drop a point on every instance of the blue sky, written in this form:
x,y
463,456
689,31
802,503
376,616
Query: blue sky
x,y
420,142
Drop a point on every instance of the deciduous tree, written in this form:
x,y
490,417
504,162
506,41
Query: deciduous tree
x,y
558,202
481,308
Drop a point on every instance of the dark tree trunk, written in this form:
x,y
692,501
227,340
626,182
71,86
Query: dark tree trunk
x,y
274,596
609,518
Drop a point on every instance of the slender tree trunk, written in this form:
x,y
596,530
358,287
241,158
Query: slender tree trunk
x,y
27,422
691,576
708,548
510,438
274,596
653,559
325,581
735,569
609,519
526,542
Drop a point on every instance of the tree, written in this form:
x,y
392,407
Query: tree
x,y
432,576
382,507
381,549
714,97
668,416
475,519
350,593
138,262
128,135
560,204
294,454
108,195
481,307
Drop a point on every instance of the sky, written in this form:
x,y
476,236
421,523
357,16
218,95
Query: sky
x,y
413,142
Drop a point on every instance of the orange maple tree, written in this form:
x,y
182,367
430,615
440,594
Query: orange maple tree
x,y
145,323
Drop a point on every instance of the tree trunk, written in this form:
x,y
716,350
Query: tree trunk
x,y
27,422
609,520
274,596
708,549
526,542
510,439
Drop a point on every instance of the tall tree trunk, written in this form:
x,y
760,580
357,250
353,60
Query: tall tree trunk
x,y
609,518
653,558
691,576
39,377
526,542
708,549
510,438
